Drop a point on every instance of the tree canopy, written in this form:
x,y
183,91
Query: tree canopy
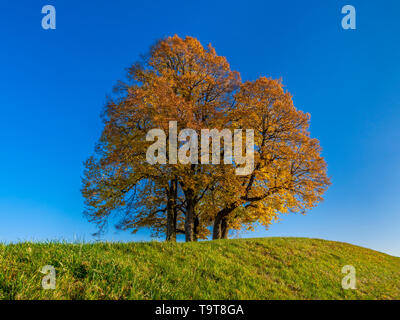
x,y
182,82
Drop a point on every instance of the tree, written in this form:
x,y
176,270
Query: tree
x,y
180,81
289,172
183,82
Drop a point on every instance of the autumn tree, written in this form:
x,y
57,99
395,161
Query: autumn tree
x,y
180,81
289,172
184,83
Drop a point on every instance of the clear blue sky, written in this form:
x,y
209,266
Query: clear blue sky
x,y
53,85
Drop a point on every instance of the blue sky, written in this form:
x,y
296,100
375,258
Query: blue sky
x,y
54,83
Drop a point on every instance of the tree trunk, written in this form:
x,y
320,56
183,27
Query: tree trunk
x,y
196,224
224,228
189,218
220,228
171,227
171,212
217,226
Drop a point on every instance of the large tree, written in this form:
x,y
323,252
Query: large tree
x,y
179,81
289,172
183,82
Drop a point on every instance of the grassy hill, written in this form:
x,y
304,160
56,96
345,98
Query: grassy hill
x,y
268,268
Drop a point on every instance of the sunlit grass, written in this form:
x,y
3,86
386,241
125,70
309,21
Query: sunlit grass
x,y
268,268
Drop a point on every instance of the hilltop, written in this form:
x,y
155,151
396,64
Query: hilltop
x,y
263,268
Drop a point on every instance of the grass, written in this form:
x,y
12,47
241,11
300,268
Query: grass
x,y
265,268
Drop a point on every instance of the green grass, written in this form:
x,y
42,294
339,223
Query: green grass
x,y
267,268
